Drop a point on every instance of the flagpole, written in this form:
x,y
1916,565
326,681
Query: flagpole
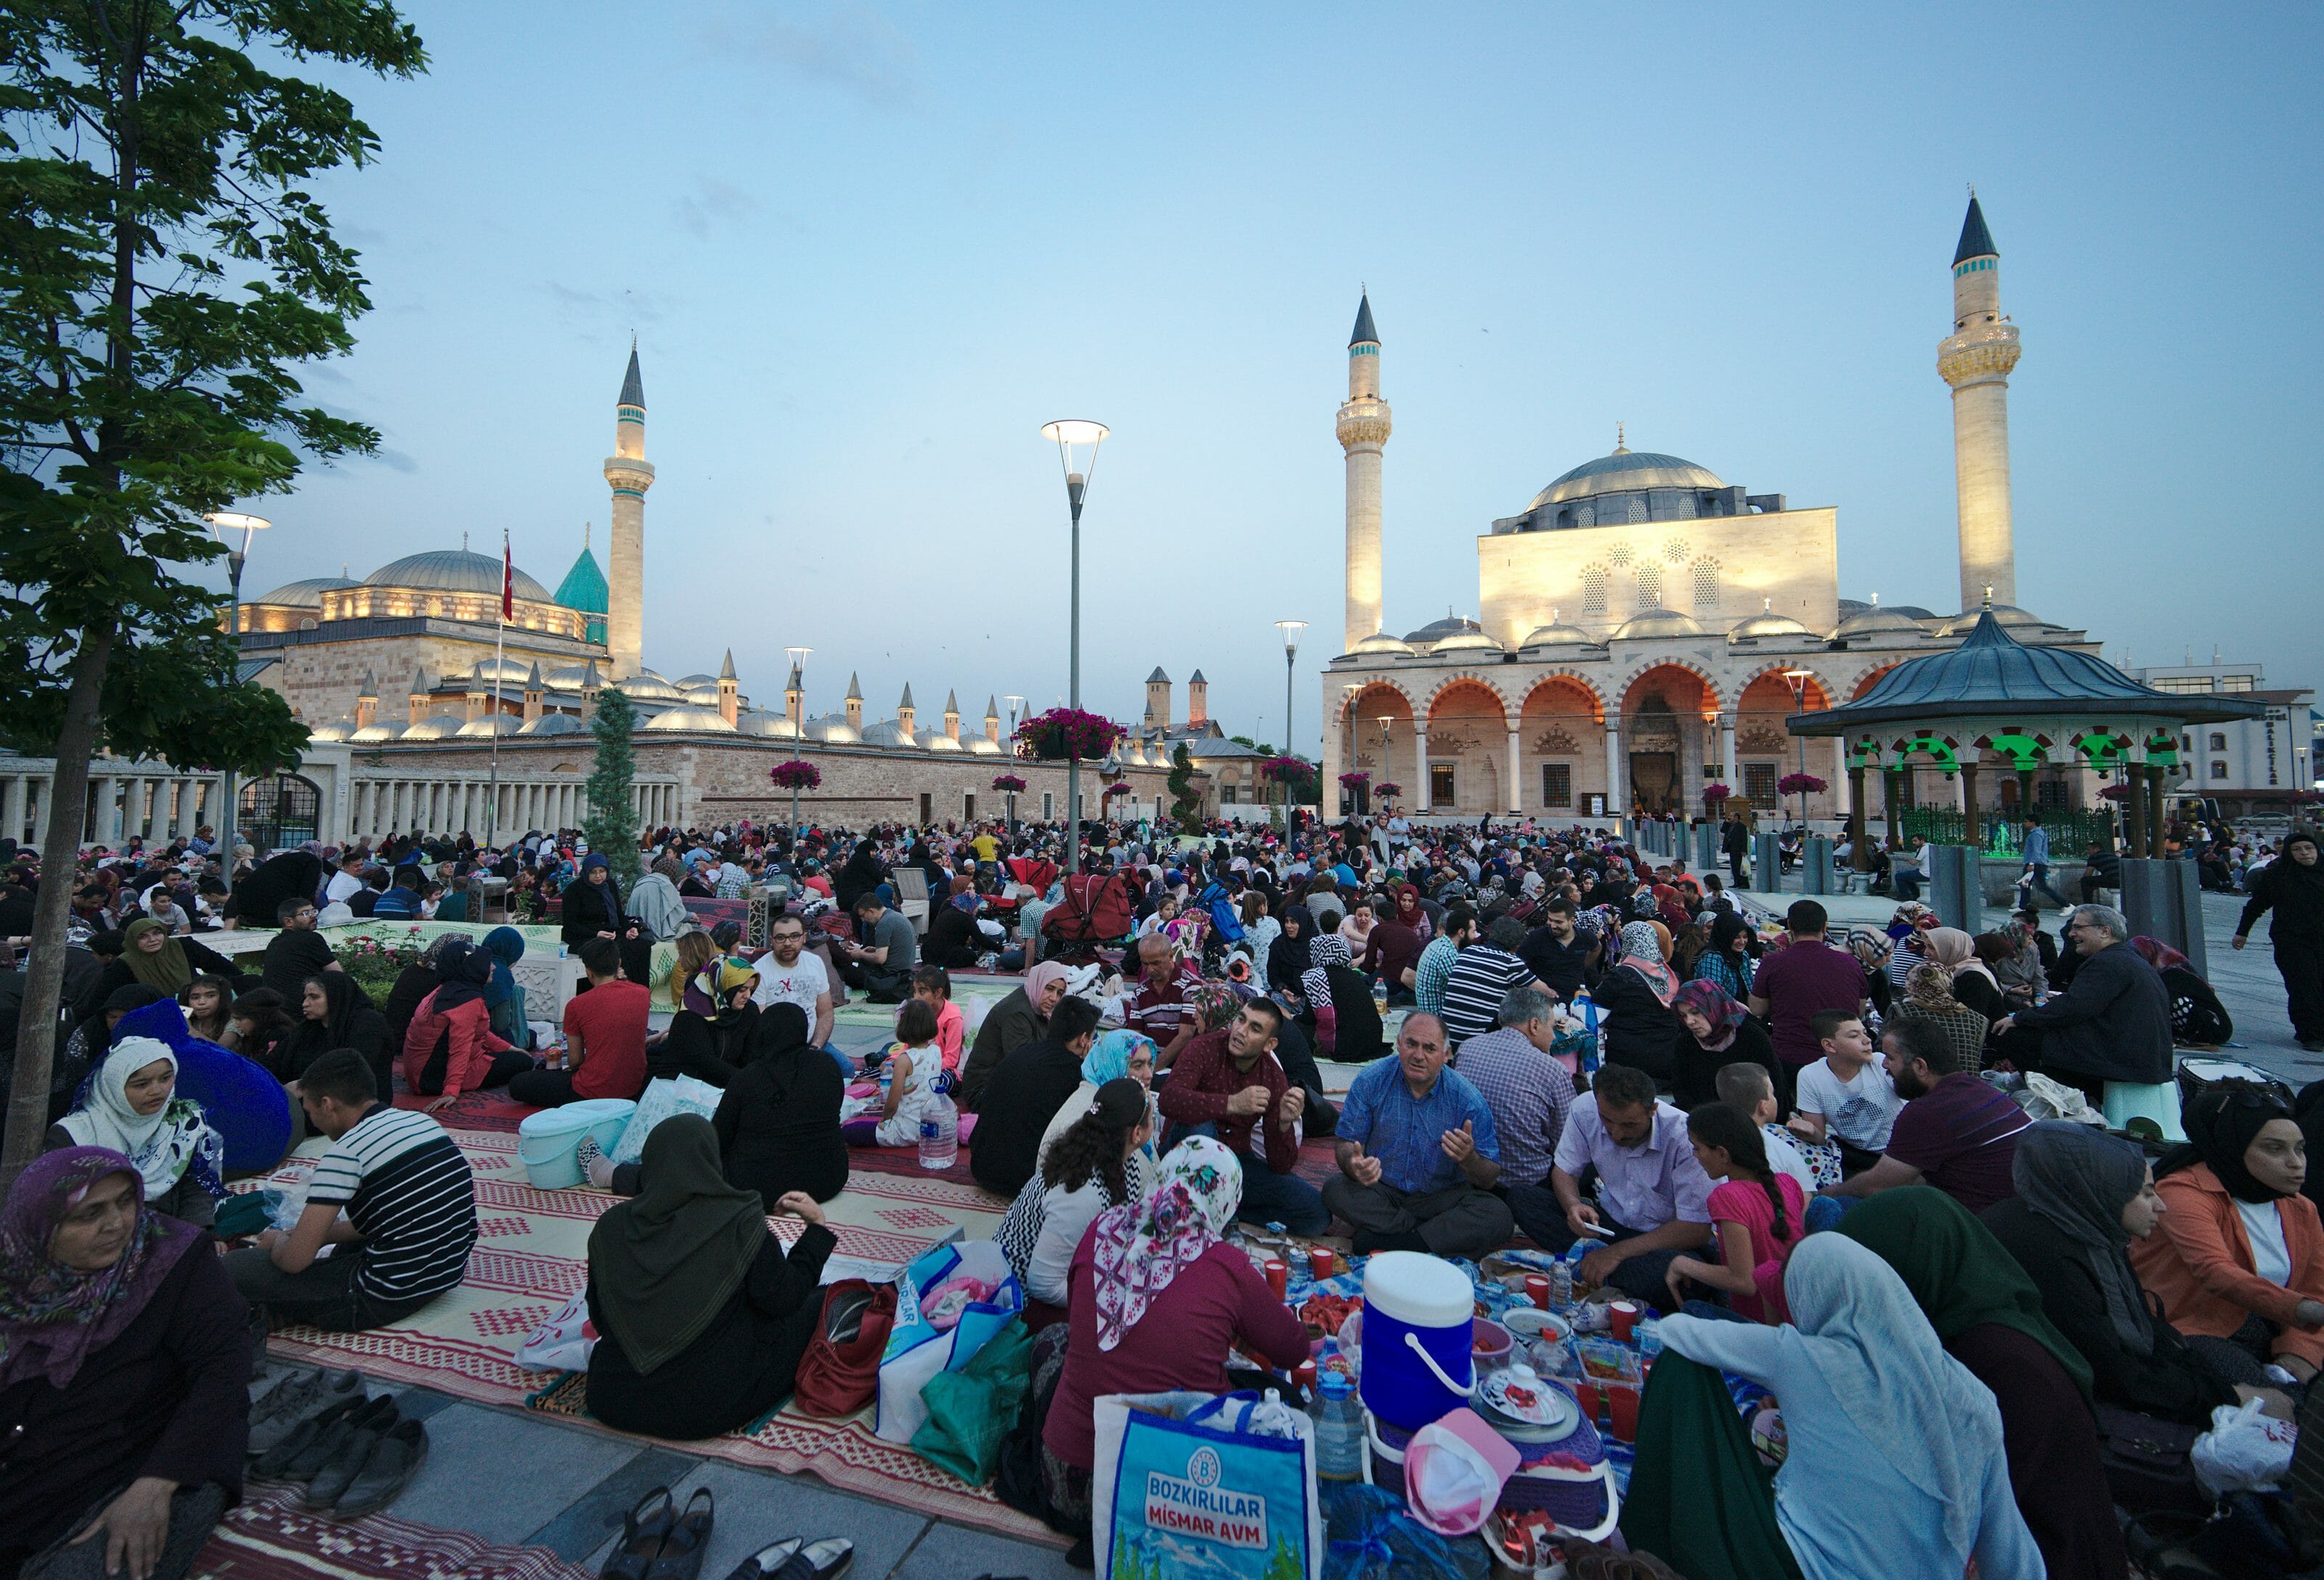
x,y
500,636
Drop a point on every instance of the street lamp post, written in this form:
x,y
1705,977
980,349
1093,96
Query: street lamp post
x,y
226,523
1076,440
1797,679
1290,630
1355,728
1387,768
799,657
1015,717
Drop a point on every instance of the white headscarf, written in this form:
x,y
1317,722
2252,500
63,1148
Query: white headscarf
x,y
1924,1412
164,1144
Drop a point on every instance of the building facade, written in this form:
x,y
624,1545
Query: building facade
x,y
2253,767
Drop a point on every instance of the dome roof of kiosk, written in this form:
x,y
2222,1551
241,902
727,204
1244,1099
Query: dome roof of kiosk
x,y
1623,472
677,720
1658,622
555,724
308,594
452,570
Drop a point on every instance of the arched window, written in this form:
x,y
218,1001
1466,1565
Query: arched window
x,y
1706,583
1650,584
1593,590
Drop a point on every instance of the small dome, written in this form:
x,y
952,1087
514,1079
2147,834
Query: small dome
x,y
307,594
702,696
484,726
779,726
2008,615
512,673
1469,641
569,676
452,570
642,687
555,724
833,730
1437,631
676,720
376,735
1381,643
1763,625
1557,635
1623,472
436,727
938,740
1658,622
688,681
336,729
1877,622
887,732
980,747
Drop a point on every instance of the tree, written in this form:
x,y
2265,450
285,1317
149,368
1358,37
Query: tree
x,y
611,826
1185,804
162,273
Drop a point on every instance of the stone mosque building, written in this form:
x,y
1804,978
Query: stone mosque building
x,y
1642,622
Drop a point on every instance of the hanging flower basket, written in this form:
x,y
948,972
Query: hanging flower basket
x,y
2115,792
1799,784
1388,790
1119,787
1355,781
1285,770
798,774
1713,794
1008,784
1063,733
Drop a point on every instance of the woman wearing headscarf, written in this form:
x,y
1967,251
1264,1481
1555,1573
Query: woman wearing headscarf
x,y
778,1123
133,1107
1895,1463
1340,1003
1714,1031
449,1047
1973,984
1929,998
2083,1197
2197,1016
1156,1298
292,875
711,1047
1021,1016
412,984
124,1371
592,904
1287,955
1121,1054
151,955
1988,1316
2239,1264
504,995
335,1011
702,1320
654,903
1101,1160
1636,998
86,1045
1728,959
860,874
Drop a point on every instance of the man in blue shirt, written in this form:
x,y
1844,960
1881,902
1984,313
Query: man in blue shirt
x,y
2037,863
1417,1154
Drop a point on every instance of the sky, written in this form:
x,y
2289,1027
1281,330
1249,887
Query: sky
x,y
867,250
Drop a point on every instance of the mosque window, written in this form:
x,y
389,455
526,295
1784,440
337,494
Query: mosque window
x,y
1593,590
1621,554
1650,584
2219,740
1557,784
1674,551
1706,583
1585,514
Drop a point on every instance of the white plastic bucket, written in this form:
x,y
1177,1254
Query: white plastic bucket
x,y
546,1142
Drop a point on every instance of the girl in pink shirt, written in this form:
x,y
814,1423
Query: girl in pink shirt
x,y
1756,1211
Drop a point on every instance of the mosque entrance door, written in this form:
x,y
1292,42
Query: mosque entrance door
x,y
1653,781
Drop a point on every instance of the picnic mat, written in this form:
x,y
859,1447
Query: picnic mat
x,y
531,1256
271,1535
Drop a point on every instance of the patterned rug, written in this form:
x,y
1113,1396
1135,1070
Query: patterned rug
x,y
271,1536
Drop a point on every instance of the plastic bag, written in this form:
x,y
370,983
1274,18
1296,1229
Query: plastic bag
x,y
918,1350
563,1343
970,1411
668,1095
2245,1451
1183,1486
1372,1536
2044,1099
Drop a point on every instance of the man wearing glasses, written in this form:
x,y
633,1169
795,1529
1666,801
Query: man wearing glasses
x,y
297,951
2113,1021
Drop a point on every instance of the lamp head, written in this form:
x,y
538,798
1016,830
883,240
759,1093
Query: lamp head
x,y
223,522
1291,630
1077,441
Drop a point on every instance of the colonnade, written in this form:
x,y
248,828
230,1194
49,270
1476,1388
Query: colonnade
x,y
385,804
156,803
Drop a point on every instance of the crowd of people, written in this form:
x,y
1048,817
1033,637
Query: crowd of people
x,y
1814,1151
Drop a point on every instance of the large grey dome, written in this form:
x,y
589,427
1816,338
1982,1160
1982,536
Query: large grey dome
x,y
453,570
1623,472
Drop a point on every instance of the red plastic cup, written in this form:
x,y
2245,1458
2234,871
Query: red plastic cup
x,y
1592,1399
1624,1402
1304,1374
1278,1276
1621,1317
1536,1289
1321,1261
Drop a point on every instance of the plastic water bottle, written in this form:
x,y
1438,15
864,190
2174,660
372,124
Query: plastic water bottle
x,y
940,1128
1575,1282
1339,1428
1561,1285
1590,1029
1650,1339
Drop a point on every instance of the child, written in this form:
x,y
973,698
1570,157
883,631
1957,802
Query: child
x,y
932,986
1756,1211
1846,1094
1748,1086
913,1069
1164,915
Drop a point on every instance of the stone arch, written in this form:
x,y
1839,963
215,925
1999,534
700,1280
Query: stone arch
x,y
1870,677
1646,667
1461,678
1467,768
1561,722
1821,690
1369,747
1572,679
1666,736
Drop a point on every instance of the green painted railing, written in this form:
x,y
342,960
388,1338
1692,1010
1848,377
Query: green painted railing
x,y
2071,832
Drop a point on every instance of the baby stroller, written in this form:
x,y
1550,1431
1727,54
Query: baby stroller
x,y
1096,910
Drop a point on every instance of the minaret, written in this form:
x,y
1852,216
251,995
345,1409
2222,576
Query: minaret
x,y
795,701
1976,359
730,690
534,690
993,719
422,692
906,714
853,702
629,475
1158,698
1363,430
368,702
1198,702
951,714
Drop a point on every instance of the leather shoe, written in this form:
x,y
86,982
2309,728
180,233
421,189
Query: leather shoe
x,y
766,1560
304,1434
309,1461
682,1550
394,1461
365,1428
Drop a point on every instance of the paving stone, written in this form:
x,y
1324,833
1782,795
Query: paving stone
x,y
502,1478
595,1518
756,1508
955,1552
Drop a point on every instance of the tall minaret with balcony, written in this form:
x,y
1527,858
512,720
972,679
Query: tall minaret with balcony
x,y
1363,430
1974,359
629,475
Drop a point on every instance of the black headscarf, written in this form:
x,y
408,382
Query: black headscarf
x,y
292,875
778,1046
462,972
2221,1124
1287,957
1726,927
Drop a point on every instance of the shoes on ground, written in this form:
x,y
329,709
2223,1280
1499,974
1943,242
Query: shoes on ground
x,y
394,1460
333,1434
282,1409
306,1432
797,1559
682,1549
643,1529
364,1430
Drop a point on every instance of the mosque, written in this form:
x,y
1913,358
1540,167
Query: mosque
x,y
1645,625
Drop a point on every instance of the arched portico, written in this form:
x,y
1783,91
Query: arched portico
x,y
1376,735
1462,753
1561,747
1766,752
1656,749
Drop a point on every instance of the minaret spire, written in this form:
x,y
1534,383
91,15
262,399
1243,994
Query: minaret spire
x,y
1976,359
629,475
1363,429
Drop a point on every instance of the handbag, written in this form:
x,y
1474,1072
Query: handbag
x,y
840,1373
2147,1462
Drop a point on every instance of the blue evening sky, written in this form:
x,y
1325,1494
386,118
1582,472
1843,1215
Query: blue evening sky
x,y
868,249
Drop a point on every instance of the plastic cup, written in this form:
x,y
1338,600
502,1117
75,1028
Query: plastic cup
x,y
1592,1399
1278,1276
1536,1289
1621,1318
1304,1374
1321,1261
1624,1403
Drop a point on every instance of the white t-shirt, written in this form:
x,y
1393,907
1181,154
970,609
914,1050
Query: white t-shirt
x,y
2263,1227
801,983
343,884
1860,1112
903,1127
1786,1158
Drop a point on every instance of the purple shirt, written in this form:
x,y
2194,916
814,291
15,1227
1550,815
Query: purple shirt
x,y
1962,1135
1529,1093
1800,982
1642,1187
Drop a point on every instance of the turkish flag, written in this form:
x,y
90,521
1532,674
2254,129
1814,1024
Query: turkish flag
x,y
507,580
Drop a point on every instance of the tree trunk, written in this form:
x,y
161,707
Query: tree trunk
x,y
44,973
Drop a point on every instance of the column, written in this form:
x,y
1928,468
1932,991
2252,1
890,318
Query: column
x,y
44,793
11,808
1844,788
1618,805
1418,791
1971,812
1516,769
108,815
1730,774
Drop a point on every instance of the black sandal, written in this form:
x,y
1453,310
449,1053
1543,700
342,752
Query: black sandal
x,y
643,1530
689,1540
